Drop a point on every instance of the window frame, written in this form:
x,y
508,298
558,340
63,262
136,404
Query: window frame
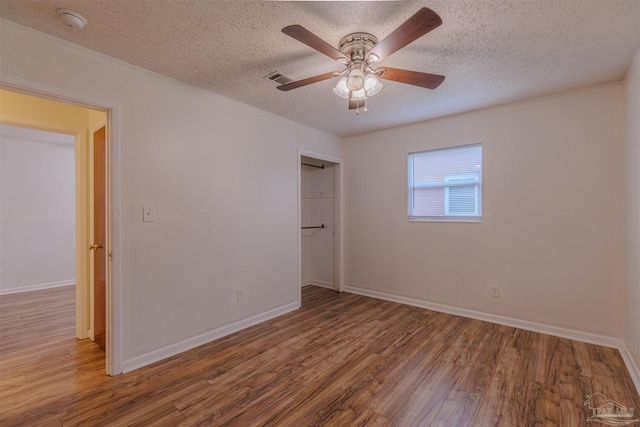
x,y
446,217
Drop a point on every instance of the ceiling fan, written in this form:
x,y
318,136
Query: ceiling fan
x,y
360,51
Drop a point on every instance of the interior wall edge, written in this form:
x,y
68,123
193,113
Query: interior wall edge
x,y
631,209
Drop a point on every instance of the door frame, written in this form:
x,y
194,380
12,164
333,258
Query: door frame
x,y
82,216
338,241
113,354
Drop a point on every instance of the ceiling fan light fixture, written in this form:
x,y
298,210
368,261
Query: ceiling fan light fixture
x,y
372,85
359,95
341,88
373,58
355,80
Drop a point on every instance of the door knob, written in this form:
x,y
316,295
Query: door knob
x,y
94,247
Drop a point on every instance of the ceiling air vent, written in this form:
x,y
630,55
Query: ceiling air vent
x,y
279,78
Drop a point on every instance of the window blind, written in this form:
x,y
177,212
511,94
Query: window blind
x,y
446,184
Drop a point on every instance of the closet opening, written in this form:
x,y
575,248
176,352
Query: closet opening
x,y
320,220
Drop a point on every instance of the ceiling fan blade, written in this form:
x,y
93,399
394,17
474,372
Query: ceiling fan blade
x,y
416,78
307,81
305,36
415,27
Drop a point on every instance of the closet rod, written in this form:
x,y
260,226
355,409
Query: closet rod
x,y
313,166
317,226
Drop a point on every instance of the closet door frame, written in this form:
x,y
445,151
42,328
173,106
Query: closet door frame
x,y
338,241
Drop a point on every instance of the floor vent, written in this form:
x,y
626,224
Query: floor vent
x,y
279,78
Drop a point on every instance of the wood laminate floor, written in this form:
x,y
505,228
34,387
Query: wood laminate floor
x,y
341,360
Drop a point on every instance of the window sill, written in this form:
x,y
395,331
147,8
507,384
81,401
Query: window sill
x,y
476,220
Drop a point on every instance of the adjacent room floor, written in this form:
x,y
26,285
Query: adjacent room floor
x,y
341,360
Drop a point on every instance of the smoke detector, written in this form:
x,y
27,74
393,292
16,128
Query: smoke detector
x,y
72,19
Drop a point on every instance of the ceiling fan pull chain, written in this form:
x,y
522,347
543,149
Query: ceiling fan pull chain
x,y
365,109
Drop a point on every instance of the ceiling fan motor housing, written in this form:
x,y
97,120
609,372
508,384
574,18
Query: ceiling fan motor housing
x,y
356,45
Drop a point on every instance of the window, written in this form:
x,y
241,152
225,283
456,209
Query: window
x,y
446,184
461,200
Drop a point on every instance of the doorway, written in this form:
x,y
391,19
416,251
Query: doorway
x,y
37,210
320,220
35,112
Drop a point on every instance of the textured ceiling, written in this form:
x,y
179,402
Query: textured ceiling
x,y
491,52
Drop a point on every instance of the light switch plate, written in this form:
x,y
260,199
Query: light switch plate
x,y
147,214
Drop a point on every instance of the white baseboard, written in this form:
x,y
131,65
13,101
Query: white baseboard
x,y
572,334
322,284
319,283
493,318
188,344
632,366
37,287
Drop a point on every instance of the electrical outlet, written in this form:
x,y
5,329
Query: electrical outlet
x,y
495,291
240,295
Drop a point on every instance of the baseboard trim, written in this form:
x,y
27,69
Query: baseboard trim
x,y
305,283
37,287
632,366
320,283
572,334
493,318
188,344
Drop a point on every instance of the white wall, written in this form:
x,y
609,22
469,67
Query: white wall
x,y
632,209
37,210
551,234
221,177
